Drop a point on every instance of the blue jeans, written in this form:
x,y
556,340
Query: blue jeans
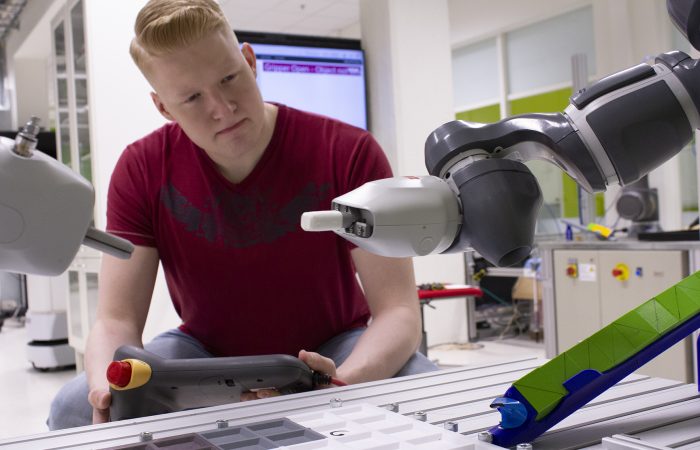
x,y
70,407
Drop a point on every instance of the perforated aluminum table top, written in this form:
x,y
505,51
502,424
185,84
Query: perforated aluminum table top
x,y
638,404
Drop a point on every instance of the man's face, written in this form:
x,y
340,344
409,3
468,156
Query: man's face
x,y
209,89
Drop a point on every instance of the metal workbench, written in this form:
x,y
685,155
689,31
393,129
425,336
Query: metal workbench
x,y
662,412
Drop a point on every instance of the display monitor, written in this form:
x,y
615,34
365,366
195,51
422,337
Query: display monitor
x,y
317,74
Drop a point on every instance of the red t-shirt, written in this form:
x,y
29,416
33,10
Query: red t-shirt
x,y
243,276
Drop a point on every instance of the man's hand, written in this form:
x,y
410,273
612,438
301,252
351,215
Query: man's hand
x,y
315,361
262,393
319,363
100,399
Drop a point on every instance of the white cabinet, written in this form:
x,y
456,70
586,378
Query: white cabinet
x,y
71,90
69,58
102,105
592,288
82,300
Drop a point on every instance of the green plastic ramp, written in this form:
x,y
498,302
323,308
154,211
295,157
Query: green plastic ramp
x,y
612,345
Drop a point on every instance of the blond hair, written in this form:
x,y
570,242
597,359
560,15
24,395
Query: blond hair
x,y
163,26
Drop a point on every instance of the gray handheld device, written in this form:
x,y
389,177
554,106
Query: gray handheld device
x,y
143,384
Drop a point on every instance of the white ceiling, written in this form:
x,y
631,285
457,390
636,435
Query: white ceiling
x,y
37,43
309,17
9,14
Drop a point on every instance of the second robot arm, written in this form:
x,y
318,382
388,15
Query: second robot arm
x,y
480,194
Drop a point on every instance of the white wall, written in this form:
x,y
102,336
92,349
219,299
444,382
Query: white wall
x,y
352,31
627,31
32,78
121,112
407,45
27,51
474,20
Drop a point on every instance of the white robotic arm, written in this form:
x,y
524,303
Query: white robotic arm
x,y
403,216
613,132
45,210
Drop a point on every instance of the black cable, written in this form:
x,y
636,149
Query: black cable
x,y
494,296
322,379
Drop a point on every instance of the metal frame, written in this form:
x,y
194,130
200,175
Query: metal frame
x,y
638,404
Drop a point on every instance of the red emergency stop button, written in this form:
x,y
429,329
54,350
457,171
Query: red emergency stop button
x,y
621,272
119,373
572,271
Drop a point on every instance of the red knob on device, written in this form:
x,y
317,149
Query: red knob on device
x,y
119,373
570,271
616,272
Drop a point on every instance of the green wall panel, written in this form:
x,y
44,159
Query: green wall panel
x,y
556,101
548,102
486,114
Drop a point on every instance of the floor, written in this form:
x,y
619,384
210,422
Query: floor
x,y
456,355
25,394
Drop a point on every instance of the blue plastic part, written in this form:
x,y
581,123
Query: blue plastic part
x,y
639,272
581,379
529,430
513,413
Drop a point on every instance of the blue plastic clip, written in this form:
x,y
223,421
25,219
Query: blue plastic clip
x,y
513,413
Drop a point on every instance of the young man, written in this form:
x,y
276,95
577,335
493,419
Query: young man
x,y
216,195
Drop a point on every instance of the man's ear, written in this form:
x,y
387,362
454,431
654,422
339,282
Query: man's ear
x,y
160,106
249,56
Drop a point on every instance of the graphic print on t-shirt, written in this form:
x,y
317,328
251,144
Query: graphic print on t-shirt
x,y
242,220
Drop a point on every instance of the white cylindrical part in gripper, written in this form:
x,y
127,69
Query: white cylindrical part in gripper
x,y
322,221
